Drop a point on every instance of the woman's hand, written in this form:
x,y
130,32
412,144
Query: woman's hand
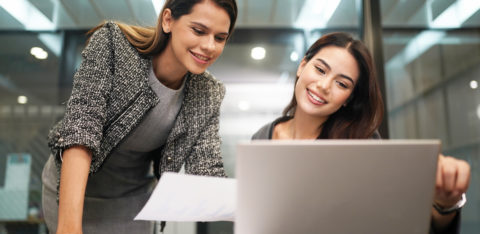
x,y
453,178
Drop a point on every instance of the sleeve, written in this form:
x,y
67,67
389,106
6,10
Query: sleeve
x,y
453,228
263,133
205,157
85,114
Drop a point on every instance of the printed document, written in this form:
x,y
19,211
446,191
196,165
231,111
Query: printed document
x,y
181,197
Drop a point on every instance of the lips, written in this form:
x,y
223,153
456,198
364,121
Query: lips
x,y
315,98
200,58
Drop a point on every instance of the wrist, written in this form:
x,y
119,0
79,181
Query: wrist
x,y
445,210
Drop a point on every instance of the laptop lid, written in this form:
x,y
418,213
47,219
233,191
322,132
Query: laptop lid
x,y
335,186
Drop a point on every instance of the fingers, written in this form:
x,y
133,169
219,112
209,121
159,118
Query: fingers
x,y
453,176
439,177
463,176
449,174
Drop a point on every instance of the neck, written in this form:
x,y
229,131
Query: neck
x,y
304,126
167,69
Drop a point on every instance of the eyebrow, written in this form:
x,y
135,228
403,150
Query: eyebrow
x,y
329,68
205,27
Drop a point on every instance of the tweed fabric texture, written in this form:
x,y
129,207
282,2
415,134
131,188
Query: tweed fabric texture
x,y
111,95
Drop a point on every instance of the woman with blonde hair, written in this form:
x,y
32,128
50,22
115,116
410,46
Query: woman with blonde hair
x,y
142,104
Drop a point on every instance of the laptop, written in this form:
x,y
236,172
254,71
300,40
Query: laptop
x,y
335,186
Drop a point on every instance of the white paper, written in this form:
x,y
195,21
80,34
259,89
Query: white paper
x,y
181,197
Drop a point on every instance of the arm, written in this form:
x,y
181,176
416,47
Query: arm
x,y
86,111
205,158
453,177
73,181
80,132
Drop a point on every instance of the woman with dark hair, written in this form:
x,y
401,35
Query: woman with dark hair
x,y
362,111
142,103
336,96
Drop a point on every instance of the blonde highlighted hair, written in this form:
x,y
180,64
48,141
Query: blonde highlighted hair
x,y
152,40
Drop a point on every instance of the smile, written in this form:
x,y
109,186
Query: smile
x,y
315,97
200,58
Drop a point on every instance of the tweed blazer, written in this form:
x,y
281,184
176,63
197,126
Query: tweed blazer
x,y
111,95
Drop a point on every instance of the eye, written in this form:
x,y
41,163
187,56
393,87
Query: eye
x,y
341,84
198,31
220,38
320,70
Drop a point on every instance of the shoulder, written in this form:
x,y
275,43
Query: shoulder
x,y
111,36
266,131
108,30
207,85
210,80
102,34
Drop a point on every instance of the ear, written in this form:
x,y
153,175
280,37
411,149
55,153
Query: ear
x,y
301,67
166,20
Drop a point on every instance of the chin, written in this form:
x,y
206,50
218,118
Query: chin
x,y
314,111
197,70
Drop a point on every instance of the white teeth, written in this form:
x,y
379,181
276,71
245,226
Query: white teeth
x,y
315,97
201,57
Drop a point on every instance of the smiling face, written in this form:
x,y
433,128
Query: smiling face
x,y
325,82
196,39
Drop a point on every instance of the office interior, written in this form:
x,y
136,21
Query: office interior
x,y
427,55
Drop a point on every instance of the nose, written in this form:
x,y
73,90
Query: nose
x,y
325,84
209,44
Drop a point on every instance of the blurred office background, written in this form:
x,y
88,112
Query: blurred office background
x,y
427,55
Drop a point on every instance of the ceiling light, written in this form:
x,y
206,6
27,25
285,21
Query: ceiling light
x,y
33,19
294,56
35,50
42,55
22,99
243,105
473,84
38,53
258,53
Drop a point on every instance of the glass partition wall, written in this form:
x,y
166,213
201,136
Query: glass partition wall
x,y
29,87
432,70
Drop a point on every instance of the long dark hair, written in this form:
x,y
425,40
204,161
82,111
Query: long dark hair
x,y
364,111
152,40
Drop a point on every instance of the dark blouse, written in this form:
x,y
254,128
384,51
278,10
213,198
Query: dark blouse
x,y
266,132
